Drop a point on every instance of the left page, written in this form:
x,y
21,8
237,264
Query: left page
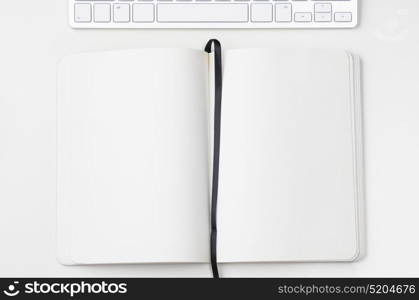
x,y
132,157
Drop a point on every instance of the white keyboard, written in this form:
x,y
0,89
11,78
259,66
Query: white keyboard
x,y
213,13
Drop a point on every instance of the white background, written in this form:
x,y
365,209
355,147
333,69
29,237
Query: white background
x,y
34,35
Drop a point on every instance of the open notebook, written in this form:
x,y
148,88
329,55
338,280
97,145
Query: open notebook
x,y
135,156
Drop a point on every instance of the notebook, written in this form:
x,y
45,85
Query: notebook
x,y
135,156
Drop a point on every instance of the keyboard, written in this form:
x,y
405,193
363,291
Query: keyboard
x,y
213,13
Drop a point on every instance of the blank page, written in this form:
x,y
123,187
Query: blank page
x,y
289,168
133,180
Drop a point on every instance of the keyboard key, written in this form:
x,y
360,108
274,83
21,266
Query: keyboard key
x,y
261,12
343,17
102,13
202,12
283,12
323,17
322,7
121,13
143,12
302,17
82,13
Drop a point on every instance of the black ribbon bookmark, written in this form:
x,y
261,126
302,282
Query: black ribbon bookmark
x,y
213,43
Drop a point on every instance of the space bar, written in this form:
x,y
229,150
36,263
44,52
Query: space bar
x,y
202,13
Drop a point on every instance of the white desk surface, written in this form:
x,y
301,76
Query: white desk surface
x,y
34,35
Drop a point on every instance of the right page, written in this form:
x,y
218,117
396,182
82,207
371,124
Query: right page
x,y
291,156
